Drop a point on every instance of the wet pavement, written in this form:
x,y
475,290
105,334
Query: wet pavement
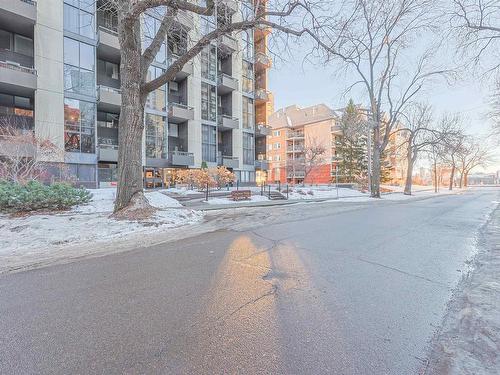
x,y
301,289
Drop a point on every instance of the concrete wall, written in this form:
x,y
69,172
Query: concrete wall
x,y
49,97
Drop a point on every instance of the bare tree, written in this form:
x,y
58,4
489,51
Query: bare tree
x,y
137,56
472,154
314,156
371,38
24,155
421,134
476,24
453,144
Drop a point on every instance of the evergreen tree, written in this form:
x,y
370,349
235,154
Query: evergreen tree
x,y
351,145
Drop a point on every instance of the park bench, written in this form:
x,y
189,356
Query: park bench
x,y
241,195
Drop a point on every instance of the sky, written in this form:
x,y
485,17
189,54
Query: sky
x,y
293,82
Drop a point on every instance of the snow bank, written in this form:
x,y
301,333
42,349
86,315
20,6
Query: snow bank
x,y
87,224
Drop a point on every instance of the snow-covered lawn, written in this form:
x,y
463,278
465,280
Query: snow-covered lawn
x,y
87,224
228,200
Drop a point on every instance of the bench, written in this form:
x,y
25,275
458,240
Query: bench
x,y
241,195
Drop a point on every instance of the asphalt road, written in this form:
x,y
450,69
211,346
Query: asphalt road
x,y
351,291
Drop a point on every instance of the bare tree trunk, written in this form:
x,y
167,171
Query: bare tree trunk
x,y
466,179
376,172
131,123
435,177
409,169
452,177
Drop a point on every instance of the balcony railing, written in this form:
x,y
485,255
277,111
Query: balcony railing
x,y
292,134
263,59
109,29
179,105
17,61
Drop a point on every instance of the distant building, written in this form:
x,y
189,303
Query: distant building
x,y
482,179
293,131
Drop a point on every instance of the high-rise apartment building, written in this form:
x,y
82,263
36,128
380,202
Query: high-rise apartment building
x,y
60,77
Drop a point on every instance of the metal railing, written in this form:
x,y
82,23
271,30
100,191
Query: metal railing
x,y
108,29
179,105
17,67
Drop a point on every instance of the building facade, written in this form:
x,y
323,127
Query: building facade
x,y
60,76
295,132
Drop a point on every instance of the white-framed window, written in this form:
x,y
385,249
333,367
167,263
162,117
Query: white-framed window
x,y
276,133
277,146
277,157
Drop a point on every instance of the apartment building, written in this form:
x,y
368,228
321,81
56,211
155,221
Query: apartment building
x,y
60,77
296,130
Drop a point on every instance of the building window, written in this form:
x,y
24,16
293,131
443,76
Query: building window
x,y
208,102
248,113
158,98
21,45
79,68
247,37
79,126
247,77
277,158
150,27
79,17
209,143
276,133
270,147
156,137
248,149
277,146
209,63
84,174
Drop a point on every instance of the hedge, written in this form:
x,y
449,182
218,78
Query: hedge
x,y
15,197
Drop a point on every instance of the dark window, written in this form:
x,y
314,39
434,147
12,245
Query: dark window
x,y
209,143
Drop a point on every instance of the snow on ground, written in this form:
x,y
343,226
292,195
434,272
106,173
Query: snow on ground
x,y
254,198
87,224
324,192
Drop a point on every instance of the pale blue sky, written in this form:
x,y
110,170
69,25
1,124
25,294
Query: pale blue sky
x,y
293,82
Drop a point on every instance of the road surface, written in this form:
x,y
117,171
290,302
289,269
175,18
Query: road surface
x,y
302,289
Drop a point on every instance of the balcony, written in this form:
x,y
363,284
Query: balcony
x,y
262,130
108,153
294,135
230,161
109,98
108,47
226,122
17,79
261,165
178,113
181,158
297,149
261,95
226,84
262,60
186,70
227,44
20,14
